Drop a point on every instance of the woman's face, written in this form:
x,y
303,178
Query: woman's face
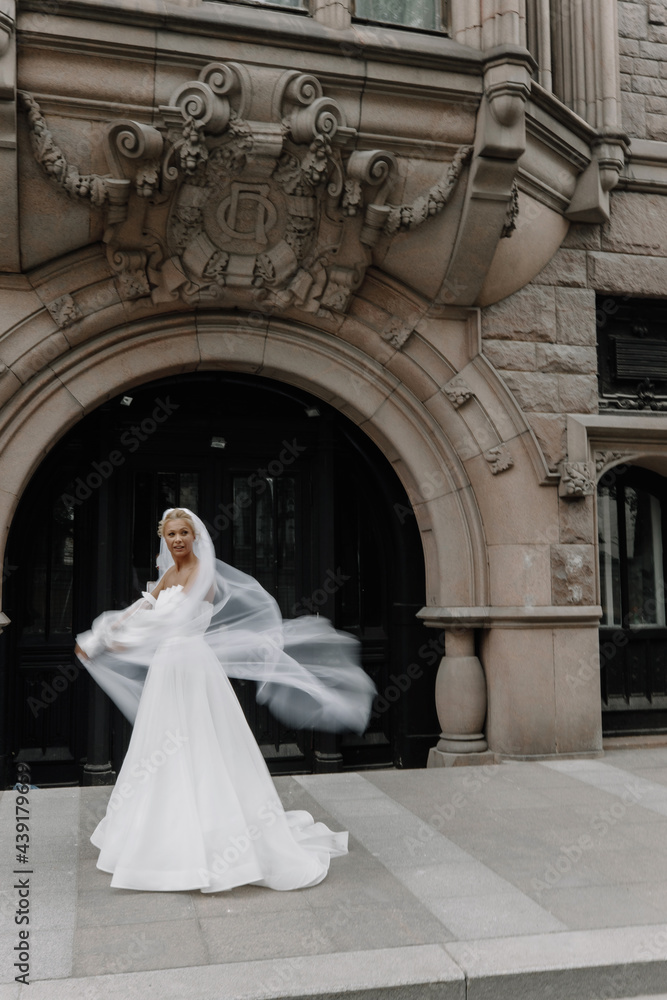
x,y
178,535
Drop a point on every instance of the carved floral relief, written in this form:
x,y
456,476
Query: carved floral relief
x,y
214,207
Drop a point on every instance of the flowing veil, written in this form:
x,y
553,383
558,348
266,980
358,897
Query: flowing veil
x,y
308,673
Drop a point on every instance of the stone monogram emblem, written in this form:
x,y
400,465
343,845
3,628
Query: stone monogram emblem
x,y
216,204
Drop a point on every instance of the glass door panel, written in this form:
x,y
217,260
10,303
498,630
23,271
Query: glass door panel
x,y
633,636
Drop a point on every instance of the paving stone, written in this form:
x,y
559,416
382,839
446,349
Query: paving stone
x,y
437,861
132,947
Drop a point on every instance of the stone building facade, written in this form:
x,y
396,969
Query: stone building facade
x,y
405,239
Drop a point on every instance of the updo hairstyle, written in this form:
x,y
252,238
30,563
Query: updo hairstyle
x,y
177,514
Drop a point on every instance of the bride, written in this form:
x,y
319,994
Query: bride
x,y
194,806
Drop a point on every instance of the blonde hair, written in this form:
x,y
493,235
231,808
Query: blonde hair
x,y
177,514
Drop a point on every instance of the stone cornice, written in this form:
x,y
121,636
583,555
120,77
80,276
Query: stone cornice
x,y
289,29
608,440
646,168
548,616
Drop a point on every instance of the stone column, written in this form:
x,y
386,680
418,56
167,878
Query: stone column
x,y
460,698
332,13
9,209
486,24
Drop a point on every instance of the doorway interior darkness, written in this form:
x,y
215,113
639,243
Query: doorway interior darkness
x,y
293,493
632,531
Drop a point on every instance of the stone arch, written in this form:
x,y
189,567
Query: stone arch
x,y
385,400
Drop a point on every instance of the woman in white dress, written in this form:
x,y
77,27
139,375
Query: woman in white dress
x,y
194,806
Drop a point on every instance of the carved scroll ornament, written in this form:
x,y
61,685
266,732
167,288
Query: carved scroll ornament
x,y
213,207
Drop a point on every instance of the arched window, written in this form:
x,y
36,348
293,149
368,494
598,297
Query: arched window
x,y
633,630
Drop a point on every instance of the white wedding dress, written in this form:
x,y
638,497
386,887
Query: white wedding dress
x,y
194,805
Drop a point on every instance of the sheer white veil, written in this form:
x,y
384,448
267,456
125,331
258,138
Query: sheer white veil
x,y
308,673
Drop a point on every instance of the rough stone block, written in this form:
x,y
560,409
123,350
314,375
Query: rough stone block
x,y
652,50
649,85
527,315
506,355
628,46
576,520
578,393
645,67
656,127
626,64
632,20
575,316
535,391
550,431
657,13
627,274
566,268
657,33
627,230
573,574
658,105
566,359
633,113
582,236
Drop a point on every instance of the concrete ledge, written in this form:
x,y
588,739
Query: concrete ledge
x,y
588,965
537,616
392,973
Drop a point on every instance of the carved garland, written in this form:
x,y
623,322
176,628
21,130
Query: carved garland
x,y
213,206
53,161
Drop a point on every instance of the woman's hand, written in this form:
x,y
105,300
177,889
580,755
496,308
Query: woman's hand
x,y
80,653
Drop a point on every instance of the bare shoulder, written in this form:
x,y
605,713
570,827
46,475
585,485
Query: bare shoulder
x,y
188,580
166,581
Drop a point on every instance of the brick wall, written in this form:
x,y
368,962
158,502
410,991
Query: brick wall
x,y
643,52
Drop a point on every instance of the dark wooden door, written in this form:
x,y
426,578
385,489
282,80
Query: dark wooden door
x,y
633,633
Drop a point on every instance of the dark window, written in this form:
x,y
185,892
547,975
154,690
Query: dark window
x,y
632,353
294,4
426,15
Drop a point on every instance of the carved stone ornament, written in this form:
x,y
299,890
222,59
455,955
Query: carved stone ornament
x,y
512,213
577,480
607,459
65,311
397,332
214,207
499,458
458,392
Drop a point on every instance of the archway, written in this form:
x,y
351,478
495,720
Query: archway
x,y
293,492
